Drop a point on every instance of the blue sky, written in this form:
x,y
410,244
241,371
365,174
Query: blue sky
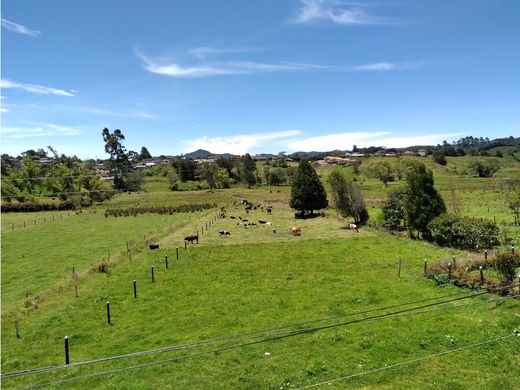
x,y
257,76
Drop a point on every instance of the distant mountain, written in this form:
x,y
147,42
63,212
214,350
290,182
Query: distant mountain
x,y
225,155
200,153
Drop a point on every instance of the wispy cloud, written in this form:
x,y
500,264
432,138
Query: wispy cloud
x,y
204,52
18,28
37,89
312,10
211,69
40,130
345,141
238,144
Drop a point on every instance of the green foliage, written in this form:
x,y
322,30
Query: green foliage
x,y
423,202
506,263
144,153
186,169
513,201
307,192
133,211
247,170
348,200
463,232
485,168
379,169
119,162
274,177
393,210
440,158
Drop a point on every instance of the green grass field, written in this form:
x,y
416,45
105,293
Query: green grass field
x,y
250,280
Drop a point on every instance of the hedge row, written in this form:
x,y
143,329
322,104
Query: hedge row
x,y
30,206
134,211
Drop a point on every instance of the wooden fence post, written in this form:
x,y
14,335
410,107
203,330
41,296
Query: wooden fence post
x,y
425,267
16,329
399,269
135,289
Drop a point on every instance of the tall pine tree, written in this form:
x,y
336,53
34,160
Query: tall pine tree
x,y
423,202
307,192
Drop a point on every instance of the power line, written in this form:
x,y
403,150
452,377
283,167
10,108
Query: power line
x,y
278,336
233,337
235,346
408,362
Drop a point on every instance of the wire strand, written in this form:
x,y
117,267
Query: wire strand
x,y
229,337
407,362
277,337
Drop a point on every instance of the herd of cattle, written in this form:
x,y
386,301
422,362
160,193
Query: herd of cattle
x,y
248,206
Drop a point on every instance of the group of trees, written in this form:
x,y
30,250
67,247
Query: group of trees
x,y
416,204
60,178
308,193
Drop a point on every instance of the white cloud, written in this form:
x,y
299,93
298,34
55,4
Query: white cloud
x,y
223,68
311,10
378,66
18,28
210,69
39,130
204,52
345,141
37,89
238,144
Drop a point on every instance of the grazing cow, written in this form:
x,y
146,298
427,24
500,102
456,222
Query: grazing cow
x,y
296,231
261,222
224,233
153,246
232,217
353,226
191,238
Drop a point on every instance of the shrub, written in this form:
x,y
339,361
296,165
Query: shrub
x,y
463,232
506,263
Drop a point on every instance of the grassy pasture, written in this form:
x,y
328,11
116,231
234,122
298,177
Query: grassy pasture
x,y
250,280
215,290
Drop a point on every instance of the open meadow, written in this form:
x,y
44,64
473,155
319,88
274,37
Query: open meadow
x,y
257,308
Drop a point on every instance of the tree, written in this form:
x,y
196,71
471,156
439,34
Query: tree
x,y
247,173
186,169
394,212
381,170
348,200
514,203
485,168
209,172
423,202
307,192
144,153
119,162
440,158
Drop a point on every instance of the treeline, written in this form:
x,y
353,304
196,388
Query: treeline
x,y
63,180
225,172
134,211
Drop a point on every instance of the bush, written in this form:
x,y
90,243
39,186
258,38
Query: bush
x,y
439,158
485,168
506,263
463,232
